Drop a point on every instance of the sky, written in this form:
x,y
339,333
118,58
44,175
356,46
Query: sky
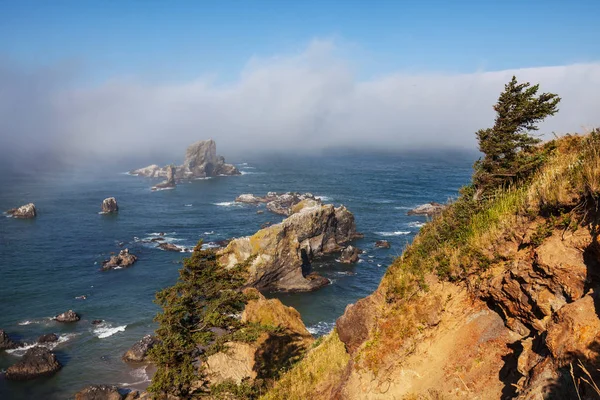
x,y
84,79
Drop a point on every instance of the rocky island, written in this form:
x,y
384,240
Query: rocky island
x,y
27,211
281,204
201,161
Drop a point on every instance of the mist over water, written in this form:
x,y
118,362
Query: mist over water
x,y
47,262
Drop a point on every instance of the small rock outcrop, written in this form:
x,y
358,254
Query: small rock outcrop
x,y
27,211
48,338
139,351
169,247
109,205
69,316
99,392
37,361
281,204
169,183
6,343
382,244
282,253
201,161
122,260
349,255
429,209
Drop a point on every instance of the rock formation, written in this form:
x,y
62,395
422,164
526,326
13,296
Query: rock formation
x,y
170,181
37,361
69,316
201,161
349,255
6,343
48,338
139,351
109,205
122,260
99,392
283,252
169,247
273,350
382,244
281,204
27,211
429,209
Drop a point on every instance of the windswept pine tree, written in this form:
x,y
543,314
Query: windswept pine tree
x,y
509,146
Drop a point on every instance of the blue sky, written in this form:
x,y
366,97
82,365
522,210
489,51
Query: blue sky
x,y
179,40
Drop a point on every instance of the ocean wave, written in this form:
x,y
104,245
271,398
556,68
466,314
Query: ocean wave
x,y
416,224
141,374
248,167
20,351
228,204
209,233
323,198
187,205
203,179
347,273
251,173
383,201
395,233
28,322
242,164
104,330
320,328
157,189
403,208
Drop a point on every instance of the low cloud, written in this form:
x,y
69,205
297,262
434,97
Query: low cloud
x,y
302,102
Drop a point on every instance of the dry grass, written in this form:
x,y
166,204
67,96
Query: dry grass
x,y
319,370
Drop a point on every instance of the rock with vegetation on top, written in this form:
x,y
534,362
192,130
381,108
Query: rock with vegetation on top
x,y
48,338
27,211
350,255
201,161
122,260
99,392
37,361
281,253
429,209
139,351
6,343
68,316
109,205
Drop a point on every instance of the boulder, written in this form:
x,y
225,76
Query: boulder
x,y
48,338
37,361
97,321
122,260
6,343
69,316
282,252
26,212
349,255
109,205
382,244
429,209
169,247
99,392
139,351
355,325
170,181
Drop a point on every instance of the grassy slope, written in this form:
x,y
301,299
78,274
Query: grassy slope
x,y
456,244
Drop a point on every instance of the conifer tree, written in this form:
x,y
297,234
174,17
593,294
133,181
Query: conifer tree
x,y
508,146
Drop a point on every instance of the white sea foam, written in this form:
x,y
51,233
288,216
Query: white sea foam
x,y
248,168
20,351
395,233
140,374
323,198
104,330
416,224
203,179
403,208
187,205
243,164
348,273
209,233
251,173
379,265
228,204
210,245
321,328
383,201
28,322
157,189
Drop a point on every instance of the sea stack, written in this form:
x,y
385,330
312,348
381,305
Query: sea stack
x,y
170,182
27,211
109,205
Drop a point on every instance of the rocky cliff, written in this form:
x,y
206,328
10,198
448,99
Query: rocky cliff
x,y
282,252
491,301
201,161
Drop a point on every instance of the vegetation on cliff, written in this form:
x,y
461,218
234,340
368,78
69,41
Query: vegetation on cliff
x,y
523,192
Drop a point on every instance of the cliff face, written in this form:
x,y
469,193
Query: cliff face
x,y
283,251
492,302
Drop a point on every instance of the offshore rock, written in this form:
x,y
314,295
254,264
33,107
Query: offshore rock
x,y
109,205
69,316
48,338
349,255
6,343
382,244
281,253
99,392
201,161
38,361
281,204
122,260
139,351
169,183
26,212
429,209
169,247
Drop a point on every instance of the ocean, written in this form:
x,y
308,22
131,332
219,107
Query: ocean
x,y
48,262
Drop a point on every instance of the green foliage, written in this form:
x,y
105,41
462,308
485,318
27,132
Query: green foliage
x,y
509,149
205,296
231,390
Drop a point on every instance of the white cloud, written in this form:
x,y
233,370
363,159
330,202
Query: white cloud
x,y
299,102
